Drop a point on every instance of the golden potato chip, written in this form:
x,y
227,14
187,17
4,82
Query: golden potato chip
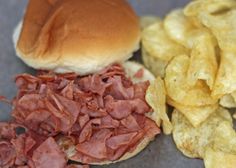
x,y
156,98
192,141
233,94
185,30
228,101
203,62
146,21
157,43
226,78
223,26
234,116
178,88
195,114
224,138
208,6
177,26
155,65
218,159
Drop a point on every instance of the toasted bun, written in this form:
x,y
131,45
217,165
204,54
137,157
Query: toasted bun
x,y
78,35
131,68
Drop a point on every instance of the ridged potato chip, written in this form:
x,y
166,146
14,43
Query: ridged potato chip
x,y
178,88
156,98
155,65
195,114
178,26
228,101
157,43
185,30
203,62
208,6
233,94
226,77
218,159
223,26
192,141
224,138
234,116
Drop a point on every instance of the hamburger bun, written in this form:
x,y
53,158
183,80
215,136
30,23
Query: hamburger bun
x,y
83,37
77,35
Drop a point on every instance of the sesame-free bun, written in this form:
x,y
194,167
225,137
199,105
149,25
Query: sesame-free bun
x,y
82,36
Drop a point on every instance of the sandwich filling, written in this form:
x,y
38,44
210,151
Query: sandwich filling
x,y
90,119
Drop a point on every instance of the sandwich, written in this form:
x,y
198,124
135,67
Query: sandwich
x,y
86,99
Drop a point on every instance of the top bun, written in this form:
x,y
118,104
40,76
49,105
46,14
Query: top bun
x,y
77,35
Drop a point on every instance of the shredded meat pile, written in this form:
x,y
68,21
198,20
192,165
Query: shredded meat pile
x,y
102,116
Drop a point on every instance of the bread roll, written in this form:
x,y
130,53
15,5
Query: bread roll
x,y
77,35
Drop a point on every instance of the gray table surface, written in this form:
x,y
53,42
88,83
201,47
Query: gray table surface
x,y
161,153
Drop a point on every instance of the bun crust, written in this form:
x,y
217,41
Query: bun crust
x,y
77,35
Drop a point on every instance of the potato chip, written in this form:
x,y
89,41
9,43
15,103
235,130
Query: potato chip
x,y
224,138
192,141
203,62
155,65
157,43
234,116
156,98
218,159
233,94
146,21
228,101
195,114
226,78
223,26
177,26
185,30
208,6
178,88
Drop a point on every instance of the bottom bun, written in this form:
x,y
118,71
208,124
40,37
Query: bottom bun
x,y
131,69
143,144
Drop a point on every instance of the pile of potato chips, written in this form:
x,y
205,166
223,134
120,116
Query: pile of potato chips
x,y
194,51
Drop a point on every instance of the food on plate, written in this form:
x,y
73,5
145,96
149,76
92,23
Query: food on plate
x,y
225,138
156,98
228,101
223,150
86,103
225,80
92,28
192,49
195,114
178,88
203,62
157,45
95,119
218,159
29,149
219,18
192,141
178,27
